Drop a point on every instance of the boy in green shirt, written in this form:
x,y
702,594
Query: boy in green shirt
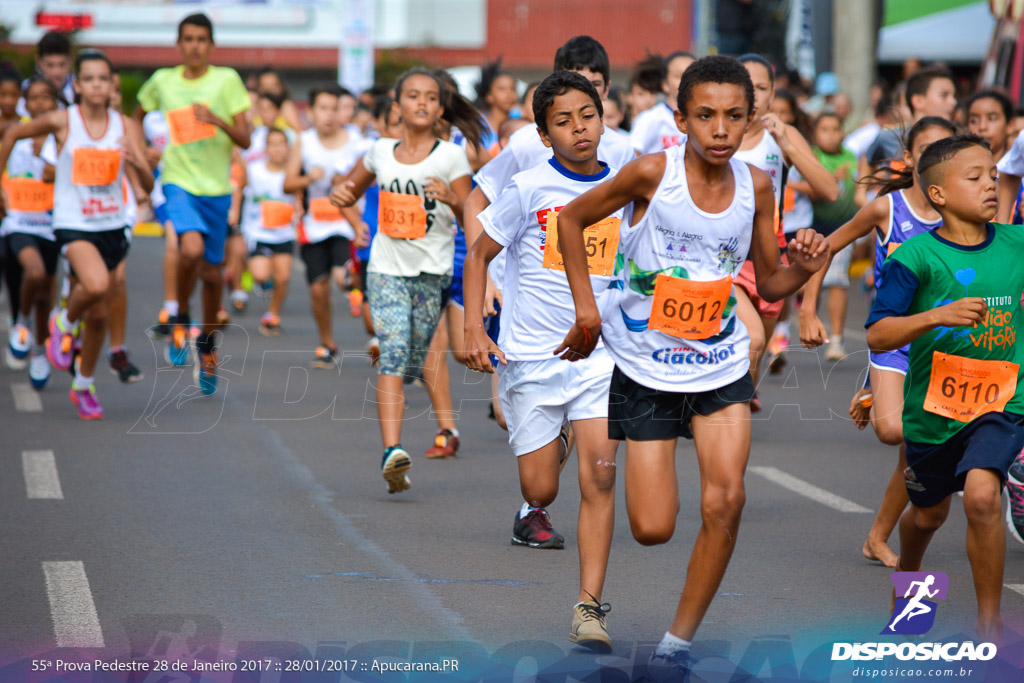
x,y
954,295
204,106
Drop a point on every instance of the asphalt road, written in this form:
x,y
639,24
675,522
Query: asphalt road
x,y
254,523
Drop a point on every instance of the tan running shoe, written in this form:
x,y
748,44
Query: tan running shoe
x,y
588,626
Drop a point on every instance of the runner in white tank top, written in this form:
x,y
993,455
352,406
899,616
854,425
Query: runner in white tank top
x,y
772,146
326,232
269,218
96,147
677,342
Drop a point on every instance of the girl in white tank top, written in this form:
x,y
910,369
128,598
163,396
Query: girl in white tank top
x,y
96,147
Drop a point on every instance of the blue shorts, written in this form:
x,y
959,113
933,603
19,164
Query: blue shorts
x,y
205,215
893,361
493,327
161,215
937,470
456,295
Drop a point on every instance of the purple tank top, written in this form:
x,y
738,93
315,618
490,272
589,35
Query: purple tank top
x,y
903,224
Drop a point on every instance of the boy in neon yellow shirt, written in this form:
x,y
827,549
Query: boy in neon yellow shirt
x,y
204,106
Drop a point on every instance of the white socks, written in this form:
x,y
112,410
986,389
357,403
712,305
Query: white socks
x,y
669,645
525,510
171,307
81,382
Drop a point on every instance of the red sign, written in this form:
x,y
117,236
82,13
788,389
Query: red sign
x,y
64,21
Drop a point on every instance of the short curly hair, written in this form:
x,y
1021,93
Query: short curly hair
x,y
714,69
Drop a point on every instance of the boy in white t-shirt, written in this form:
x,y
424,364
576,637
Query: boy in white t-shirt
x,y
539,392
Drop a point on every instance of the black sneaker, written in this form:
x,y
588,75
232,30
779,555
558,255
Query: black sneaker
x,y
534,530
124,368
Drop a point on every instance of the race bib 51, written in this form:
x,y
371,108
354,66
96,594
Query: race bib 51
x,y
601,240
275,214
323,211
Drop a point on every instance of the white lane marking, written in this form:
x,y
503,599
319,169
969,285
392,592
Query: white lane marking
x,y
41,480
1016,587
26,399
75,622
788,481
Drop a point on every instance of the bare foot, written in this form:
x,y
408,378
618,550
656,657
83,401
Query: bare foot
x,y
990,630
879,551
859,412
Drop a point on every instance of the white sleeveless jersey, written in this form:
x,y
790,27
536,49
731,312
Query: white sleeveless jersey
x,y
655,130
767,156
538,308
322,220
157,134
676,238
89,193
264,185
29,199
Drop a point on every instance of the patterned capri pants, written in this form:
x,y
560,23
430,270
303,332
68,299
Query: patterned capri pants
x,y
405,312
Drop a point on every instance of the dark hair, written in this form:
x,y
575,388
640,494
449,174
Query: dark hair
x,y
271,70
921,80
382,105
531,86
750,57
10,76
198,19
583,52
92,56
458,111
54,43
56,94
649,73
616,95
828,114
559,83
941,151
801,121
714,69
332,89
884,105
680,53
274,129
275,98
1000,98
889,180
489,74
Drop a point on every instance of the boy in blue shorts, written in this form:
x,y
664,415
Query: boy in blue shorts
x,y
204,106
954,294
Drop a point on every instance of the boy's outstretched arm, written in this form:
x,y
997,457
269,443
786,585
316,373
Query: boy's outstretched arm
x,y
808,251
893,332
637,181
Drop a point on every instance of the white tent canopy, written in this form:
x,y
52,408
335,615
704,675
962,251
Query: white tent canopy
x,y
956,35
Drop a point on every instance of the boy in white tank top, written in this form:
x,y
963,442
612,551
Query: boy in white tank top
x,y
679,346
97,147
326,231
539,392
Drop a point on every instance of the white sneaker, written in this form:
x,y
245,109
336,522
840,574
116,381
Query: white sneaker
x,y
39,370
13,362
20,341
835,349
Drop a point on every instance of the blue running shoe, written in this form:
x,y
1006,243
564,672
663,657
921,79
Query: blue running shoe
x,y
206,371
177,347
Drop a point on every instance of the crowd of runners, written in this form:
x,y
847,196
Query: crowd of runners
x,y
625,262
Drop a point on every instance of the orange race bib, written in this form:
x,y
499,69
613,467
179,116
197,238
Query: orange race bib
x,y
891,247
964,388
601,240
28,195
274,214
789,200
185,127
323,211
402,216
92,166
689,309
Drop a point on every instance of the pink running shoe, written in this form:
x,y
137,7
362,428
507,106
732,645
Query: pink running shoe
x,y
85,399
60,345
